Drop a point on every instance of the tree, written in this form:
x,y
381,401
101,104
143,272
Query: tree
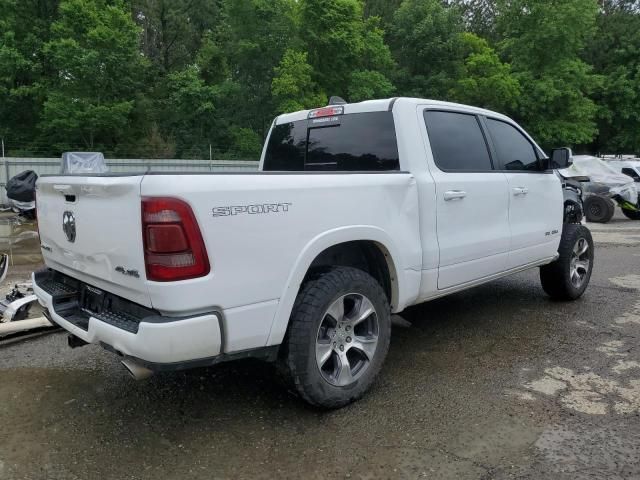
x,y
23,68
479,16
172,30
94,50
340,43
543,44
485,81
367,84
292,87
384,9
255,35
425,39
614,54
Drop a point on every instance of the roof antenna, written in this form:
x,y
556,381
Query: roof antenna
x,y
335,100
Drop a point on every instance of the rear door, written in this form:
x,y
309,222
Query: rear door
x,y
472,199
90,229
536,198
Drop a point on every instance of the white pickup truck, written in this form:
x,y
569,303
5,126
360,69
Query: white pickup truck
x,y
359,211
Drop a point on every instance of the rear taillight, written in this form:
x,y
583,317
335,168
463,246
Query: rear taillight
x,y
173,245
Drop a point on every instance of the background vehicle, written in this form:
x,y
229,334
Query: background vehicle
x,y
630,168
360,211
607,186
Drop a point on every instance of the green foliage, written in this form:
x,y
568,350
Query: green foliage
x,y
368,84
340,41
172,30
485,80
245,143
615,54
292,87
24,29
178,78
255,35
425,39
94,51
544,44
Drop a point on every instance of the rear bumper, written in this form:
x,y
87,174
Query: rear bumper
x,y
134,331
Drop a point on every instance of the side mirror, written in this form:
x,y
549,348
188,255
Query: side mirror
x,y
561,158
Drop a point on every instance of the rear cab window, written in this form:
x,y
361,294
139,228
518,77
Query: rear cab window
x,y
350,142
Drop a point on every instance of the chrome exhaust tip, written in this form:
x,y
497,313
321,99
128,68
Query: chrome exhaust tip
x,y
136,370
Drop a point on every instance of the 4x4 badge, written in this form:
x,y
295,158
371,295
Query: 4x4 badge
x,y
69,226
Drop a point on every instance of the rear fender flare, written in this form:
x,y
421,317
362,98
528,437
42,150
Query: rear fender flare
x,y
314,248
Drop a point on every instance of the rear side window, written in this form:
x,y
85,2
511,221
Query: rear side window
x,y
457,142
355,142
514,150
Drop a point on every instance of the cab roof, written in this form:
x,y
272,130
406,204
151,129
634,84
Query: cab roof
x,y
388,104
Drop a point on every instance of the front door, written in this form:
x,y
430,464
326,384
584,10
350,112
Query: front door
x,y
536,198
472,200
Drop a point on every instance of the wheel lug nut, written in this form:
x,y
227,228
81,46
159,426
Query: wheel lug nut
x,y
342,348
348,339
347,328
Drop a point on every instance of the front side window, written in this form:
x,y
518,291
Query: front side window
x,y
354,142
457,141
513,149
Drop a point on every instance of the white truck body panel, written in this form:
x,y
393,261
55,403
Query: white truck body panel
x,y
259,260
107,220
259,254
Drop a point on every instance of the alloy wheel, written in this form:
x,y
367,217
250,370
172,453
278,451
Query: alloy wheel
x,y
347,339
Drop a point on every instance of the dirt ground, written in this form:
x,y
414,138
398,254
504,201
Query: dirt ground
x,y
496,382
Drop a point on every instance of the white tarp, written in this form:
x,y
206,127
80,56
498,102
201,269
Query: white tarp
x,y
79,163
603,178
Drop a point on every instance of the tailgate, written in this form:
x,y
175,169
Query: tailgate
x,y
90,229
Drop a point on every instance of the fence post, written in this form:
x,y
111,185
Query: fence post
x,y
6,169
6,175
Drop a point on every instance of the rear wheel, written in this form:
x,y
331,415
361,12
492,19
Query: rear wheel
x,y
568,277
338,337
599,209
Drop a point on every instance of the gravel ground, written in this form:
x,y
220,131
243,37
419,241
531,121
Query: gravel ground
x,y
496,382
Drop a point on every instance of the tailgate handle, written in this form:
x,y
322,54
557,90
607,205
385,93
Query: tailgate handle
x,y
69,196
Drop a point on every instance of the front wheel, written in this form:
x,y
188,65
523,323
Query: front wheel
x,y
338,337
568,277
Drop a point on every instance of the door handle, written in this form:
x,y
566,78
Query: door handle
x,y
454,195
520,191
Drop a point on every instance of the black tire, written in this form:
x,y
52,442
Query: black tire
x,y
631,214
599,209
310,311
556,278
